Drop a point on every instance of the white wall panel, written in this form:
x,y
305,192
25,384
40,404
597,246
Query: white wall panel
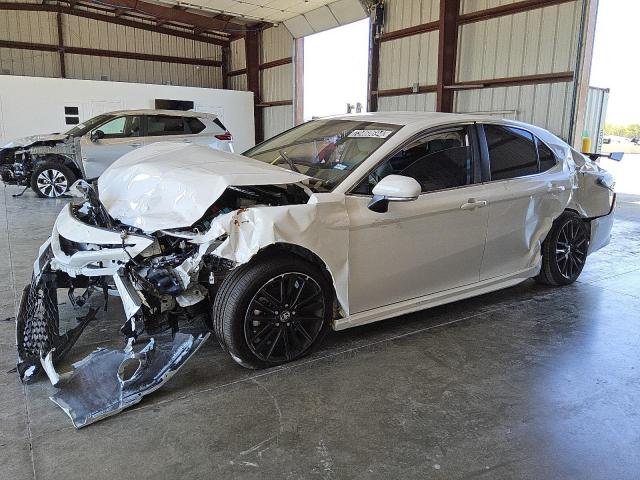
x,y
534,42
423,102
92,98
545,105
277,120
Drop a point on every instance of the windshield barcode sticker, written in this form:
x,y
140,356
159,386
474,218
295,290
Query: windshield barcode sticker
x,y
370,134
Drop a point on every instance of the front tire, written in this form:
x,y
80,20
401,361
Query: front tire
x,y
272,311
564,251
51,179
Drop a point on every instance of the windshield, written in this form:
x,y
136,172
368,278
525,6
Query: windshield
x,y
328,150
90,124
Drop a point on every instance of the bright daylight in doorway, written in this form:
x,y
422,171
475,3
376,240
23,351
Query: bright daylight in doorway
x,y
336,69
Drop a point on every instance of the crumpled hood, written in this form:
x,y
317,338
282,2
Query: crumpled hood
x,y
30,140
171,185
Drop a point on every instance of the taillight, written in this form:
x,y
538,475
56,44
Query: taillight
x,y
226,136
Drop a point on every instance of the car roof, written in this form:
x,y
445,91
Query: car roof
x,y
435,119
173,113
412,118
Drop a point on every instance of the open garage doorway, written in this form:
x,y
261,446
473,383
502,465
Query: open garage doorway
x,y
336,70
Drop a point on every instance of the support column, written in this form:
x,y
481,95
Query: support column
x,y
447,52
63,66
226,58
252,45
582,73
298,81
376,26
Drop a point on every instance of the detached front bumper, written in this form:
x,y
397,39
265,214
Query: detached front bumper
x,y
79,256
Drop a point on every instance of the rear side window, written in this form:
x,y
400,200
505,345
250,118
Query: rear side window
x,y
512,152
219,123
195,125
547,158
165,125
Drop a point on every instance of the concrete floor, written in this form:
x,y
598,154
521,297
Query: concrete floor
x,y
527,383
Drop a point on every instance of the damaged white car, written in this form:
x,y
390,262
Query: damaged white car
x,y
336,223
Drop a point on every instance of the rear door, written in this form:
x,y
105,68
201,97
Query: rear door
x,y
526,189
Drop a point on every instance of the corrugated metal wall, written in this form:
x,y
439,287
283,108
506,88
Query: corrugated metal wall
x,y
540,41
411,60
528,43
276,84
33,27
536,42
468,6
41,27
237,61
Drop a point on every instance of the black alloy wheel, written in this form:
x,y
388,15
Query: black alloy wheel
x,y
564,250
571,249
284,317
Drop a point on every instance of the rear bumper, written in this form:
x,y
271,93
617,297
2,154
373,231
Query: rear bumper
x,y
601,230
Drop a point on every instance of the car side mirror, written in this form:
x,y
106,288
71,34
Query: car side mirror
x,y
393,188
617,156
97,135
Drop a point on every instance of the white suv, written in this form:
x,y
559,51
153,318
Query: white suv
x,y
51,163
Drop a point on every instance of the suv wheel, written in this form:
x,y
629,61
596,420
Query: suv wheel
x,y
51,179
272,311
564,251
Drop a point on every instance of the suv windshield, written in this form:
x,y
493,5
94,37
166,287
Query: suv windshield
x,y
83,128
328,150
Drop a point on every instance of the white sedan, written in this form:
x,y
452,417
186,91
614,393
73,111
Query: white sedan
x,y
336,223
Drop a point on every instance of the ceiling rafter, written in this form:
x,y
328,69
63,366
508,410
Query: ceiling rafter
x,y
121,16
168,13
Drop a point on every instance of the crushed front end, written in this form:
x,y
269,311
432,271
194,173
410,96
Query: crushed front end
x,y
19,159
166,281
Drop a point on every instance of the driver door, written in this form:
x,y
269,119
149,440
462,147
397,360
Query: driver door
x,y
121,135
425,246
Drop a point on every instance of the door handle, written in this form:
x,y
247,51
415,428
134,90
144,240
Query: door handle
x,y
551,188
472,204
135,145
186,141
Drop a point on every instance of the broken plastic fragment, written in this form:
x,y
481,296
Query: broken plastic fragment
x,y
104,383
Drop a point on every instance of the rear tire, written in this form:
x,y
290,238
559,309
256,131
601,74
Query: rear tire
x,y
272,311
51,179
564,251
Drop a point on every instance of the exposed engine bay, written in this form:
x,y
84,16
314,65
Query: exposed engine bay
x,y
165,281
18,162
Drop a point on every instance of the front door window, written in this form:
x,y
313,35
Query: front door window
x,y
438,161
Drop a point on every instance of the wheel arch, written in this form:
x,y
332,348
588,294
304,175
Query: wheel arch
x,y
64,160
307,255
584,218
